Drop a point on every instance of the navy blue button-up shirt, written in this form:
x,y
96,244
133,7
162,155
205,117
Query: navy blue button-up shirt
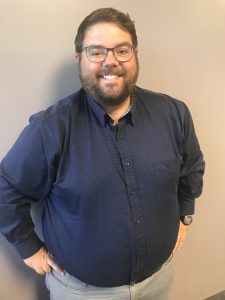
x,y
113,195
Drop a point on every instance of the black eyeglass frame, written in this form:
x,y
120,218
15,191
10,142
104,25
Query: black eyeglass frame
x,y
107,51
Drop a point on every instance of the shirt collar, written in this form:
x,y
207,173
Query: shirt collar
x,y
96,108
103,117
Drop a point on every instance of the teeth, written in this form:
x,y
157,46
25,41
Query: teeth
x,y
109,76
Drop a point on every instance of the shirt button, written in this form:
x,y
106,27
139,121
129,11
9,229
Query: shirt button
x,y
137,221
138,270
132,193
127,163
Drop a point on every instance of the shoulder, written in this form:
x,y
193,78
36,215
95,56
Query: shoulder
x,y
160,102
52,125
59,112
155,98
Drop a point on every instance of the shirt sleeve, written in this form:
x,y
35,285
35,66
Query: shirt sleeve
x,y
192,168
26,175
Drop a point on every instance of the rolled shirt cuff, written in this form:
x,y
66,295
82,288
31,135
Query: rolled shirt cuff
x,y
29,247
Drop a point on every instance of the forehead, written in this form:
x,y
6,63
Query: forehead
x,y
106,34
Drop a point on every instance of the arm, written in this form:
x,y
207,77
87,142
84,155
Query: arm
x,y
191,177
192,168
15,220
26,175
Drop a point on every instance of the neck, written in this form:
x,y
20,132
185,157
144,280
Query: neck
x,y
116,112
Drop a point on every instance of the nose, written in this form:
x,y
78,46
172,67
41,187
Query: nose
x,y
110,59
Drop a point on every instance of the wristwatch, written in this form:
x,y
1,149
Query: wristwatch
x,y
186,220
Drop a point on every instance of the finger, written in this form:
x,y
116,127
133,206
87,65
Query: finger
x,y
40,271
46,267
43,266
53,264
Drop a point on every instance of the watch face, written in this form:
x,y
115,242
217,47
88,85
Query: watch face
x,y
187,220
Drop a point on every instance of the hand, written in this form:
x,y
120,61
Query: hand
x,y
181,236
43,262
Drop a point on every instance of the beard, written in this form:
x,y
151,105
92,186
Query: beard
x,y
113,97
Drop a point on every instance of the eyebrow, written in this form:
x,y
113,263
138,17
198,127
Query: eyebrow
x,y
101,46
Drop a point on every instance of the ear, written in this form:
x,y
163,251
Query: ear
x,y
77,57
136,51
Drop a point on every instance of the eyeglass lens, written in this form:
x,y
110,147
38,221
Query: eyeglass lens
x,y
99,54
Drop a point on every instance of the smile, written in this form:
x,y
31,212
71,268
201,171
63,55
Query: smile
x,y
110,77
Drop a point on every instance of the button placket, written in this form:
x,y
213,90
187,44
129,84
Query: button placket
x,y
134,201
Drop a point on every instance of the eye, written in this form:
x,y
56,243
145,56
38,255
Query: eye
x,y
122,50
95,52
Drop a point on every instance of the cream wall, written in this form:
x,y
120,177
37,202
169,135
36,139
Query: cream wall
x,y
182,46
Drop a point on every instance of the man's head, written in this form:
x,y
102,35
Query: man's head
x,y
106,46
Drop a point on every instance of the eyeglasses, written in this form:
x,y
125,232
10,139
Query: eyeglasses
x,y
98,54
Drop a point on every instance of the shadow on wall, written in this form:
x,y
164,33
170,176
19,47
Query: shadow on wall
x,y
65,82
18,275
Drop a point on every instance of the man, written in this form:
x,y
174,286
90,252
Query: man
x,y
119,168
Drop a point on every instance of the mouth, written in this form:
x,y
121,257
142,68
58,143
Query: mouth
x,y
110,76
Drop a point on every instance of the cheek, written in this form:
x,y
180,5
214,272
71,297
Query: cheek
x,y
131,71
131,67
88,68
